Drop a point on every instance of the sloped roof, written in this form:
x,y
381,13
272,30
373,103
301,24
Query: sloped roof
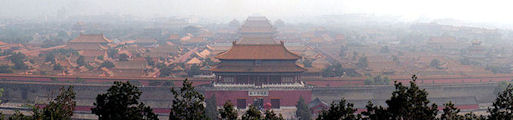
x,y
279,67
316,102
258,52
194,61
91,38
2,43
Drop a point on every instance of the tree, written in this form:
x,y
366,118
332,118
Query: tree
x,y
50,58
187,103
19,61
149,61
123,57
362,62
339,111
384,49
450,112
502,108
307,62
334,70
100,57
61,108
195,70
406,103
121,102
5,69
211,108
81,61
302,110
228,112
57,67
107,64
435,63
18,116
270,115
342,52
252,114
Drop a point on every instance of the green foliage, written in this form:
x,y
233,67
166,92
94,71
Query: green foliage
x,y
450,112
339,111
52,43
384,49
228,112
19,61
395,59
343,50
302,110
334,70
107,64
209,62
211,108
502,108
149,61
406,103
112,52
187,103
6,69
1,94
166,71
50,58
123,57
362,62
270,115
57,67
195,70
252,114
101,57
377,80
121,102
60,108
307,62
435,63
81,61
19,116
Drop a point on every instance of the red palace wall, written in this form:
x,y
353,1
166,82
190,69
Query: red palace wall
x,y
287,97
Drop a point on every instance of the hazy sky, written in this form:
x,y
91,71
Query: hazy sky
x,y
497,11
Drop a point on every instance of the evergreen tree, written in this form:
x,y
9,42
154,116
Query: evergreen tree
x,y
362,62
406,103
123,57
61,108
270,115
302,110
502,108
107,64
121,102
339,111
211,108
450,112
252,114
228,112
187,103
19,116
81,61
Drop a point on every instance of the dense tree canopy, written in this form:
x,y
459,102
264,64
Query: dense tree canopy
x,y
406,103
302,110
187,103
121,102
339,111
228,112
